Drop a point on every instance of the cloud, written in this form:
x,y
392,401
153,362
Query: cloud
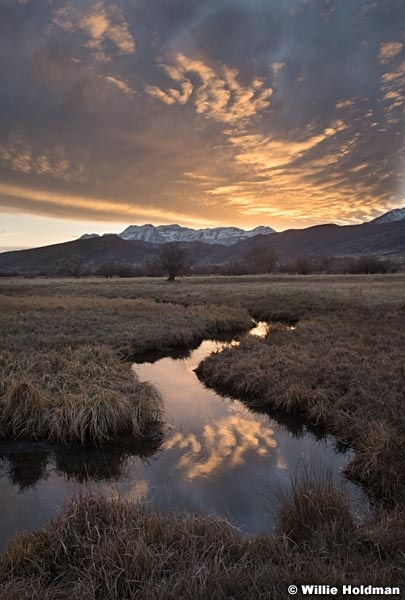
x,y
388,50
99,23
69,205
218,93
120,84
204,112
20,156
171,96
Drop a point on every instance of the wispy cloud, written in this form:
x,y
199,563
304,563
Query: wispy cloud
x,y
99,23
202,112
120,84
388,50
226,443
217,92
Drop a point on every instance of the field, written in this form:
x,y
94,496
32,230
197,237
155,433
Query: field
x,y
64,362
334,355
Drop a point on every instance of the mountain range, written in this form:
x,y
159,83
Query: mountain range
x,y
398,214
163,234
385,240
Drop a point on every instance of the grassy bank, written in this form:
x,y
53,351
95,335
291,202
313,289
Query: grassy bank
x,y
342,366
63,374
111,550
128,326
344,370
83,395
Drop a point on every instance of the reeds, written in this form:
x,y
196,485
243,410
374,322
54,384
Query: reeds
x,y
111,550
345,371
62,373
83,395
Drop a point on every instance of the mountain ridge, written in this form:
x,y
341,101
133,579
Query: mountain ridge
x,y
386,240
394,215
163,234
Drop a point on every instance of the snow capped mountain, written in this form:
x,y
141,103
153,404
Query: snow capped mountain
x,y
89,236
162,234
397,214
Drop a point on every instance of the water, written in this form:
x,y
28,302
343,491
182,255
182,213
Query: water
x,y
215,455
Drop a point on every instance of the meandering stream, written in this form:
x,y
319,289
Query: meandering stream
x,y
216,456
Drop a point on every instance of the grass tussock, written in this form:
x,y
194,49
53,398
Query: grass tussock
x,y
110,550
345,371
62,370
84,395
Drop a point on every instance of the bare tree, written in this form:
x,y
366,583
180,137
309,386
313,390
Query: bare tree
x,y
262,260
172,260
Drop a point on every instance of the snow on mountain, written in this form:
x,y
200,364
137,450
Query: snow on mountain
x,y
163,234
89,236
397,214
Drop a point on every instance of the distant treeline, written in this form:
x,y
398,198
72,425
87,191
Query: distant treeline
x,y
254,262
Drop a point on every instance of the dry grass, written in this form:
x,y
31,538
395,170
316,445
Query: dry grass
x,y
111,550
83,395
61,377
342,367
346,371
278,293
128,326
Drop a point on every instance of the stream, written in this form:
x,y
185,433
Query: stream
x,y
216,456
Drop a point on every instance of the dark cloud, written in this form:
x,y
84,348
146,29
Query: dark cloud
x,y
223,111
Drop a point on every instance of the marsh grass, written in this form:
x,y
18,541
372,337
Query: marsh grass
x,y
111,550
63,375
344,371
128,326
82,395
342,367
263,295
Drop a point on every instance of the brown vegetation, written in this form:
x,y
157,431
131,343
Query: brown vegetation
x,y
344,370
129,326
61,377
342,366
110,550
85,395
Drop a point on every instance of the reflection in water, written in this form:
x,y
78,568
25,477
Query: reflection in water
x,y
27,463
260,330
217,455
25,469
224,445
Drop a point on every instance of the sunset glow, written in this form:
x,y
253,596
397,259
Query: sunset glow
x,y
287,113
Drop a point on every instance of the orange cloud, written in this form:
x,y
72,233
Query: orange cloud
x,y
388,51
98,22
101,209
218,95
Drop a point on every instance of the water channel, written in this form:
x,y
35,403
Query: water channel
x,y
215,455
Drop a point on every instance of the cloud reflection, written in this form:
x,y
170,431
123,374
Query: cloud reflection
x,y
222,445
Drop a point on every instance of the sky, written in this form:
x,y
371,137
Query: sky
x,y
287,113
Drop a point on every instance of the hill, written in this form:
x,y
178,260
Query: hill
x,y
385,240
397,214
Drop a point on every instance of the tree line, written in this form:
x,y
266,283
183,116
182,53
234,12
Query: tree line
x,y
174,261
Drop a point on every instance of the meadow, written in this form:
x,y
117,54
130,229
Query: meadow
x,y
333,355
65,362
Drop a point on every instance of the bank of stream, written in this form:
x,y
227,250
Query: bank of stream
x,y
215,455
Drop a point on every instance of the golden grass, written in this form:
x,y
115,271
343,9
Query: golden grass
x,y
281,292
60,373
83,395
343,367
346,371
111,550
129,326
